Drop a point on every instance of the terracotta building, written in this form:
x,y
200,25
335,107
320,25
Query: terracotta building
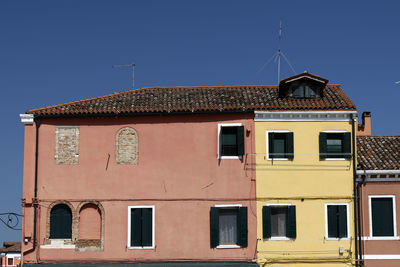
x,y
161,175
379,191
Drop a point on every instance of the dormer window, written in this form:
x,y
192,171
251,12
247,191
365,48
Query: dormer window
x,y
304,91
302,86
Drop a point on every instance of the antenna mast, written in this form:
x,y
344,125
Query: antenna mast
x,y
279,51
277,56
133,71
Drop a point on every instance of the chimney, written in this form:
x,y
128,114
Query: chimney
x,y
364,129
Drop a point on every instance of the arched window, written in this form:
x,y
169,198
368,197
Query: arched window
x,y
61,222
89,222
127,147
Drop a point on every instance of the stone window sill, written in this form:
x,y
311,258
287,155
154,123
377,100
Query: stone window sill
x,y
59,244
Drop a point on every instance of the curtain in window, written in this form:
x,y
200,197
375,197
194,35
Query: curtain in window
x,y
228,226
278,221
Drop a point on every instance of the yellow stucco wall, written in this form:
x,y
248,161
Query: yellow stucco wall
x,y
308,183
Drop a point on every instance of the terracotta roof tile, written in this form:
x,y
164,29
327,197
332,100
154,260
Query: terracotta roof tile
x,y
11,247
378,152
198,99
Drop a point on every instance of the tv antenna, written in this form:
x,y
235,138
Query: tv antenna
x,y
276,57
133,71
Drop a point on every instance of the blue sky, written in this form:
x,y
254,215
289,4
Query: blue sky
x,y
54,52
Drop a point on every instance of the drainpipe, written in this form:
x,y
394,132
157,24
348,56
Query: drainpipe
x,y
355,187
35,202
359,221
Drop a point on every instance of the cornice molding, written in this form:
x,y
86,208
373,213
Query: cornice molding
x,y
304,115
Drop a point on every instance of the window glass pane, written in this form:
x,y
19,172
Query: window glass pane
x,y
382,216
228,141
334,144
10,261
228,226
278,221
309,92
279,148
298,92
279,144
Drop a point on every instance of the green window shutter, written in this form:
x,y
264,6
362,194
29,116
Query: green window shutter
x,y
347,145
322,145
214,227
342,221
291,224
242,227
136,227
382,217
271,145
266,220
289,146
147,227
240,140
61,222
333,226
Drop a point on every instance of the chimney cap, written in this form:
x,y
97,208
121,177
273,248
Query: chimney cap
x,y
366,114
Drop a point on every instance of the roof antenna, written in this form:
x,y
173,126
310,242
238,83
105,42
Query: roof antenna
x,y
277,56
133,71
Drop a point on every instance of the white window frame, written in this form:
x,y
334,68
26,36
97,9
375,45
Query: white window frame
x,y
336,131
153,226
10,257
220,125
371,237
326,221
279,238
267,143
228,206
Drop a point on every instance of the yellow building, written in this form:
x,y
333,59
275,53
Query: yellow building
x,y
304,176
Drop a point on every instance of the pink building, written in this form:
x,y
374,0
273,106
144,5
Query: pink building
x,y
379,191
141,176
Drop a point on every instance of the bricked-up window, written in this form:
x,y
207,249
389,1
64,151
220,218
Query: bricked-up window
x,y
127,147
89,222
67,145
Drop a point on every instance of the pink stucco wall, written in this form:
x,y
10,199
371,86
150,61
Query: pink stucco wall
x,y
178,173
380,247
